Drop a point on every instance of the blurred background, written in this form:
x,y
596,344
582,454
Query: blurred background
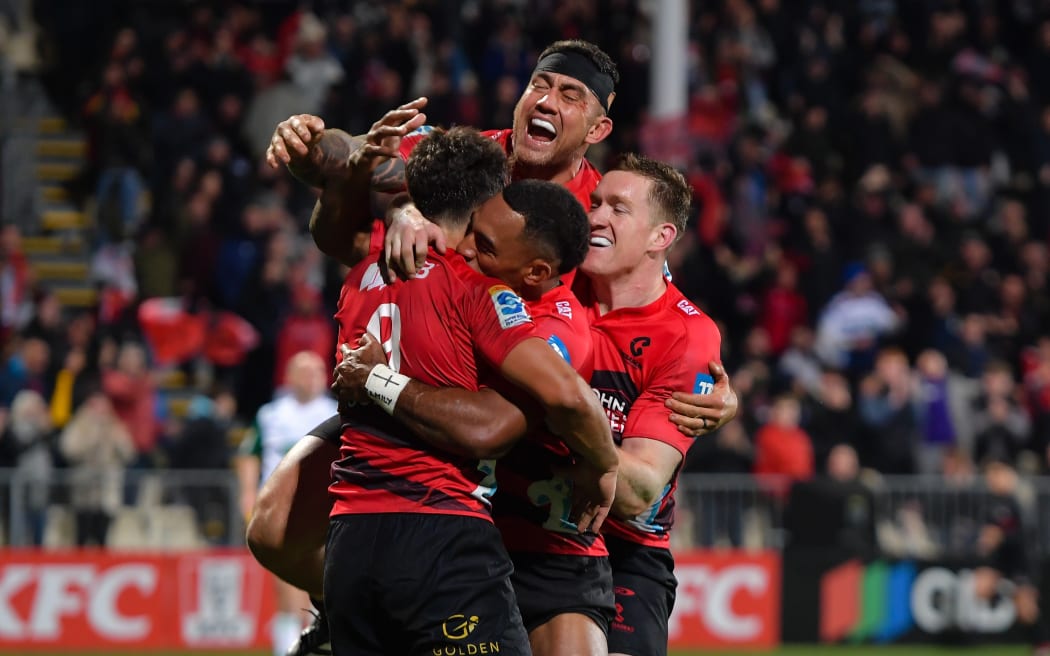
x,y
872,187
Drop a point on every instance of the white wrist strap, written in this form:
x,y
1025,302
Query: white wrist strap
x,y
384,386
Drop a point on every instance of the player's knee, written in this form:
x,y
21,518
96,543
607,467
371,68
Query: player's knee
x,y
568,634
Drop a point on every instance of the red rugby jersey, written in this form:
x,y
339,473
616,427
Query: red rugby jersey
x,y
440,328
531,508
641,356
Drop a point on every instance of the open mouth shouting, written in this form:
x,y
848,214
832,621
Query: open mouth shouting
x,y
541,131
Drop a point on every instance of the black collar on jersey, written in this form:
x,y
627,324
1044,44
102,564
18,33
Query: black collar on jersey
x,y
577,66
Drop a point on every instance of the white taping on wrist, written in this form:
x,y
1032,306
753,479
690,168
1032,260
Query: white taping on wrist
x,y
384,386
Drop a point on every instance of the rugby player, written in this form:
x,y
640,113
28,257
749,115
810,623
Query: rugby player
x,y
562,579
649,341
413,563
569,96
559,115
278,426
562,112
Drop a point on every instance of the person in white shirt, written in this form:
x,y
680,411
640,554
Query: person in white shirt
x,y
853,320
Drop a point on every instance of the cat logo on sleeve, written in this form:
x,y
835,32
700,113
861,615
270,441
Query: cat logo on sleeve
x,y
509,307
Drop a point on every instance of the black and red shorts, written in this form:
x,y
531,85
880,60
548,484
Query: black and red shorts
x,y
420,585
548,585
645,592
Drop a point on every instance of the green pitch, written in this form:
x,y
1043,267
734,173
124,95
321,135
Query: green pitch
x,y
867,650
794,650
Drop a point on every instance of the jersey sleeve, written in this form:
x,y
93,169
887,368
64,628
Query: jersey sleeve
x,y
410,140
498,321
573,344
330,430
683,368
377,237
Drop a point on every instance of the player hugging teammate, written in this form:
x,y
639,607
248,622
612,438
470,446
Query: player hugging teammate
x,y
454,377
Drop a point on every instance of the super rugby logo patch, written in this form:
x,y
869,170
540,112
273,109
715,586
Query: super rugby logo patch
x,y
560,348
509,307
703,384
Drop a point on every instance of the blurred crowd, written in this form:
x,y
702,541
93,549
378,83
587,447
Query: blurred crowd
x,y
872,183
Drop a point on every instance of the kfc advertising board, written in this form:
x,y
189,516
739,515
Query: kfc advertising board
x,y
102,600
726,599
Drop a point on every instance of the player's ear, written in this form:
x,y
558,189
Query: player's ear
x,y
599,130
663,236
538,271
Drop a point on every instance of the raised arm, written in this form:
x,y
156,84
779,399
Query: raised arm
x,y
326,159
344,209
315,154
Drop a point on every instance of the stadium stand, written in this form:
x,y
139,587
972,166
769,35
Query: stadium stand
x,y
872,183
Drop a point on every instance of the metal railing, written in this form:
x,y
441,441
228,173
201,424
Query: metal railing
x,y
160,509
912,516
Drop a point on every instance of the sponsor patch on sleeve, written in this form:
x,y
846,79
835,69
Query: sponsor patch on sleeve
x,y
509,307
560,348
704,384
686,307
422,129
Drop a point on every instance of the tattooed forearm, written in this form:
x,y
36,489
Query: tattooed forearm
x,y
389,176
328,159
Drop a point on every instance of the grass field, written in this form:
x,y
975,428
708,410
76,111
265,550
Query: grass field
x,y
794,650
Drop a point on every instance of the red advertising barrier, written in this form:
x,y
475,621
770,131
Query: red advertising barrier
x,y
726,599
103,600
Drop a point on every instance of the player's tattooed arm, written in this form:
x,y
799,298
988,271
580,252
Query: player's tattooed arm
x,y
344,210
316,155
336,225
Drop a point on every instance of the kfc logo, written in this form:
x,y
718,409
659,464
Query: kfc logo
x,y
61,594
726,599
105,602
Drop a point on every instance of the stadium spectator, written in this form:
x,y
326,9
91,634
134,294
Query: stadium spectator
x,y
98,448
308,329
853,321
834,509
28,438
130,389
782,448
942,401
830,418
888,420
15,306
